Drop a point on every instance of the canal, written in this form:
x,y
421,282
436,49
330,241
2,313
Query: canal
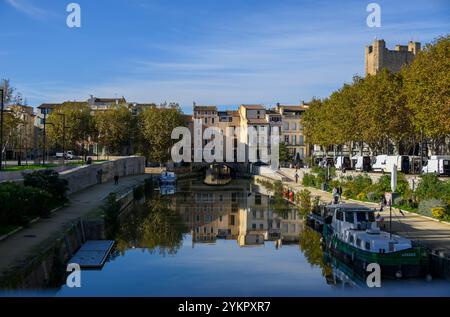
x,y
232,240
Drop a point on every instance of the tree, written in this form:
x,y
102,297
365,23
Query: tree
x,y
427,88
11,97
382,112
72,124
283,152
304,202
116,129
156,125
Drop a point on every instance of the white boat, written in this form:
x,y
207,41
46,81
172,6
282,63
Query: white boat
x,y
167,177
351,232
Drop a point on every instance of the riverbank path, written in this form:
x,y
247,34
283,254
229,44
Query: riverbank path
x,y
431,233
19,246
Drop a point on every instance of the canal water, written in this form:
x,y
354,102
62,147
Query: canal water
x,y
233,240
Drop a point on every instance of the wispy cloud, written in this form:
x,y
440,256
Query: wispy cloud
x,y
28,8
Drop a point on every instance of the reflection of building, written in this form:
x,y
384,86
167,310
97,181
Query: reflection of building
x,y
210,213
234,213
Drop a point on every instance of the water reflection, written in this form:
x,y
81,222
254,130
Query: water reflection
x,y
241,239
155,225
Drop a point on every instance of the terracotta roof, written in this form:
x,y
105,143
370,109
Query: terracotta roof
x,y
109,100
49,105
257,121
203,108
294,108
253,107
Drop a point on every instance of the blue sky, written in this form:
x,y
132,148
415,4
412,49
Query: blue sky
x,y
223,52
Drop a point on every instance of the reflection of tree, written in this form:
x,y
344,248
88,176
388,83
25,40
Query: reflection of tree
x,y
310,247
154,225
279,204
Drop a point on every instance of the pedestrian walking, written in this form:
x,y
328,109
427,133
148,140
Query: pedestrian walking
x,y
296,178
116,179
339,190
335,195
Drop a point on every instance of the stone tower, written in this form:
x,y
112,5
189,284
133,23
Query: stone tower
x,y
377,56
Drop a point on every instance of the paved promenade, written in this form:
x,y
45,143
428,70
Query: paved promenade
x,y
431,233
22,243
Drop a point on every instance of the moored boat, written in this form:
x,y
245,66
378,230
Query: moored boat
x,y
351,233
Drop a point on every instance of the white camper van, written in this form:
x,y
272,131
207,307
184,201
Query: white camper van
x,y
384,163
439,164
342,162
362,163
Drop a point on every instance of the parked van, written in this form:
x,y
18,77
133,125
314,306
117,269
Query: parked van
x,y
362,163
384,163
439,164
68,155
342,162
326,161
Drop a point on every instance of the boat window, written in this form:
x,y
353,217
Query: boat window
x,y
367,245
351,239
339,215
361,216
358,242
371,216
349,217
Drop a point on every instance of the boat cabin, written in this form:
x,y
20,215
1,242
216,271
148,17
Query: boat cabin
x,y
355,225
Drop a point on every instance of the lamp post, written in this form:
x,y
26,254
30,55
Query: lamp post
x,y
1,127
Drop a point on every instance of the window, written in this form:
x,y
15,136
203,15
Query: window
x,y
351,239
367,245
257,199
339,215
212,120
349,217
206,120
285,126
371,216
286,139
253,225
232,221
220,218
361,216
301,141
358,242
261,226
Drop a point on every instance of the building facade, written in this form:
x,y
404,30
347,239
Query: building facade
x,y
292,133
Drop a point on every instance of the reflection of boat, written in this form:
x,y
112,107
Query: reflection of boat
x,y
351,233
167,189
167,177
